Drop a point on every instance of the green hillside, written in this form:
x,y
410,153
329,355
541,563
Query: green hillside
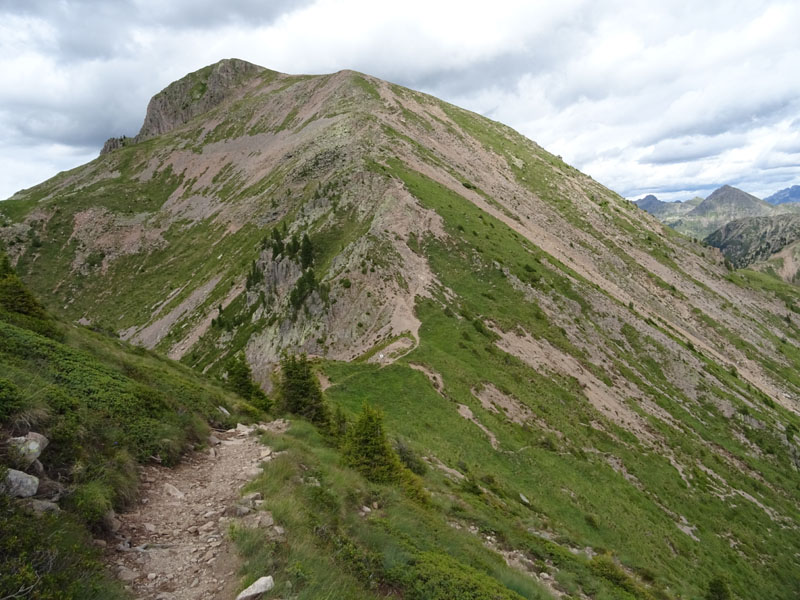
x,y
602,408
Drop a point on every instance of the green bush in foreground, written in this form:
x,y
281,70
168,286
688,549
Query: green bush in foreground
x,y
48,557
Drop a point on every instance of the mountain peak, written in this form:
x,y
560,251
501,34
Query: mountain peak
x,y
190,96
194,94
729,198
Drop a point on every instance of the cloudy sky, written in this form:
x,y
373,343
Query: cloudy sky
x,y
673,98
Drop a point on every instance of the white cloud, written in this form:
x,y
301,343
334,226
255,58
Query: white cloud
x,y
672,98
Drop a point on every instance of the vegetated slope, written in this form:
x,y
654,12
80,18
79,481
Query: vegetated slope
x,y
746,241
784,264
104,407
724,205
524,328
790,194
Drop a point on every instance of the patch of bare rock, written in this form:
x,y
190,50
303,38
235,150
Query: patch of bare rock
x,y
173,544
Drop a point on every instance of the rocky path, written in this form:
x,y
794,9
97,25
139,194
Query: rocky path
x,y
173,545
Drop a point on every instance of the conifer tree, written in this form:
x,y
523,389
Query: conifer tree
x,y
299,390
240,380
306,252
367,449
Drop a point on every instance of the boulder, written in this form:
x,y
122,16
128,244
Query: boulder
x,y
28,448
261,586
19,484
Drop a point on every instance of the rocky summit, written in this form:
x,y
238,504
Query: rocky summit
x,y
592,404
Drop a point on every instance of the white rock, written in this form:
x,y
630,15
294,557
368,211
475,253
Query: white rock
x,y
524,500
173,491
29,447
224,411
261,586
19,484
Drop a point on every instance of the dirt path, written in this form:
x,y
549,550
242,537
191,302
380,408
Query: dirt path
x,y
172,545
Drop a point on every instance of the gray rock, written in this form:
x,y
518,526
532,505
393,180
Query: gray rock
x,y
126,574
111,522
250,499
28,448
213,440
19,484
261,586
44,506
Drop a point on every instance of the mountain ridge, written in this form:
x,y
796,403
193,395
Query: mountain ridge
x,y
523,328
790,194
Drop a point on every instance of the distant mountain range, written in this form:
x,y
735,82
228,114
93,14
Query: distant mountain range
x,y
790,194
749,231
699,217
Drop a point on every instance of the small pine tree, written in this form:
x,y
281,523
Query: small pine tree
x,y
5,265
277,243
15,297
240,377
367,450
293,246
339,424
306,252
718,589
299,390
240,380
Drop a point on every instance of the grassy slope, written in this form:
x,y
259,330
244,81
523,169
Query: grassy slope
x,y
573,490
104,407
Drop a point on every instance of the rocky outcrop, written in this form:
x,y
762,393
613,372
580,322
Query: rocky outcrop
x,y
114,143
193,95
